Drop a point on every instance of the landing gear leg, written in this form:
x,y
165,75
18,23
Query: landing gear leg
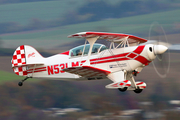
x,y
21,83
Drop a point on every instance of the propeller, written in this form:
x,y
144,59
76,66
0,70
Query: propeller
x,y
157,36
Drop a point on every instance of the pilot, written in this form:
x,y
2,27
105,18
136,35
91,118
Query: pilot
x,y
78,52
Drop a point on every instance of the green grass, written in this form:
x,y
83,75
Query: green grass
x,y
137,25
24,12
6,76
10,77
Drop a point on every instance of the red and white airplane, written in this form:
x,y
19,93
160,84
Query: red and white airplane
x,y
125,57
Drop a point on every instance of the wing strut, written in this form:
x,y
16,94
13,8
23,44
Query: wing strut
x,y
91,41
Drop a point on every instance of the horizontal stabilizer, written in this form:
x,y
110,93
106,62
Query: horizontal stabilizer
x,y
25,70
122,84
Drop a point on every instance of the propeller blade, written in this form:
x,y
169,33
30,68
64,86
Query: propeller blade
x,y
157,36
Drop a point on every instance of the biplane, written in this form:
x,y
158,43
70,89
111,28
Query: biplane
x,y
125,57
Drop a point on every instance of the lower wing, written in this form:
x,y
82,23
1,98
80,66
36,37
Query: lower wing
x,y
87,71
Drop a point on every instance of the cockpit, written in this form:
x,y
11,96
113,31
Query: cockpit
x,y
84,49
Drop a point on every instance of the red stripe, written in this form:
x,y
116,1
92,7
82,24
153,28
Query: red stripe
x,y
139,49
142,86
65,53
84,61
140,83
142,59
36,71
128,84
38,68
109,57
132,55
126,81
115,85
121,84
112,60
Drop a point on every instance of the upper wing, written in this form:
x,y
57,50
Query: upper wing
x,y
87,71
109,36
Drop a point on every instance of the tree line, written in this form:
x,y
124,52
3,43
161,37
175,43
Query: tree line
x,y
91,11
28,101
19,1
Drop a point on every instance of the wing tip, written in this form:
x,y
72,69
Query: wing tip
x,y
78,35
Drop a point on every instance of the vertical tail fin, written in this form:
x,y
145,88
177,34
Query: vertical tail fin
x,y
23,57
18,58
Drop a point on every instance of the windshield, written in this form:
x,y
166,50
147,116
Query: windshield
x,y
79,50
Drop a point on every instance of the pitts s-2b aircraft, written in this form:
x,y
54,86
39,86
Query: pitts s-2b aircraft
x,y
125,57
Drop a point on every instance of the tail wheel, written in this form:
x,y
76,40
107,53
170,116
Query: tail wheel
x,y
138,90
122,89
20,83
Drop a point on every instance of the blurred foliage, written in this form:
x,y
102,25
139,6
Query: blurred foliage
x,y
9,52
28,101
103,10
19,1
137,25
91,11
6,51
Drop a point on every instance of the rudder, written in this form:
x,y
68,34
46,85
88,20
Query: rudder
x,y
24,56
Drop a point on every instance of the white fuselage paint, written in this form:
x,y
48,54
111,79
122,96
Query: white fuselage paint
x,y
112,60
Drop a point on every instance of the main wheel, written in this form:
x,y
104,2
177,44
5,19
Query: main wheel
x,y
138,90
122,89
20,83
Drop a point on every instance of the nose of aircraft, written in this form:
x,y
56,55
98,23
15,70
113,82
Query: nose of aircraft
x,y
160,49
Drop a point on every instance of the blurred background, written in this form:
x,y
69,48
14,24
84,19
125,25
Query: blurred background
x,y
45,25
